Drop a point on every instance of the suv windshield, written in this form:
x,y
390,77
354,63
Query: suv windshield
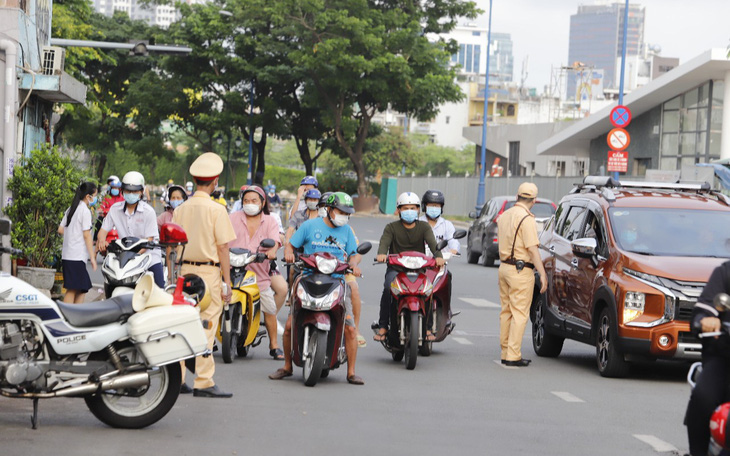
x,y
541,210
671,232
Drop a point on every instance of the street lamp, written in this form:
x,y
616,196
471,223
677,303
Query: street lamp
x,y
480,189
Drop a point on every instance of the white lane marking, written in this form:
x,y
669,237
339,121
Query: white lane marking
x,y
458,332
461,341
659,445
477,302
567,397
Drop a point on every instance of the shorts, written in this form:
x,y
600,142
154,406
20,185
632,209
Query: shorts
x,y
349,316
268,305
75,276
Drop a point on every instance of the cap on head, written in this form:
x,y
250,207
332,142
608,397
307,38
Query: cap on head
x,y
207,167
527,190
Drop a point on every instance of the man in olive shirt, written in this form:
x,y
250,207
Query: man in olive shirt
x,y
406,234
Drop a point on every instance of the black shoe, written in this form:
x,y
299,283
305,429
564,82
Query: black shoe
x,y
213,391
519,363
185,389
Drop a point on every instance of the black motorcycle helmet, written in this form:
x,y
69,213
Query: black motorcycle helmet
x,y
431,197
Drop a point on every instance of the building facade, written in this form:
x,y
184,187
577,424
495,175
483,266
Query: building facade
x,y
160,15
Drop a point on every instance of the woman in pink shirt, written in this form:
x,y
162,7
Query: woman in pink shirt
x,y
252,225
176,195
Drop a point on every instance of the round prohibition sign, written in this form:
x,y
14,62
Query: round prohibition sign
x,y
618,139
620,116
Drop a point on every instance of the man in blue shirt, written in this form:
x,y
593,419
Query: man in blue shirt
x,y
312,235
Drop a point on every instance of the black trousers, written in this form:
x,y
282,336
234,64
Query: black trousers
x,y
385,299
709,392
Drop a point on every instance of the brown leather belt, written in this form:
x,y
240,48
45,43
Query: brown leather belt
x,y
202,263
513,262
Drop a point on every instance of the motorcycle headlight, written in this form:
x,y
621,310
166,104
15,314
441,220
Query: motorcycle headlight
x,y
325,302
131,280
326,266
413,262
238,260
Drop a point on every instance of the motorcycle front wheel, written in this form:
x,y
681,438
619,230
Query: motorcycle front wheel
x,y
229,339
314,362
411,350
136,408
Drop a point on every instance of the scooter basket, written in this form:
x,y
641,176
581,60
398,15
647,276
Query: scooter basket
x,y
167,334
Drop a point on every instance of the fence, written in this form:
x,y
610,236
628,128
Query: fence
x,y
461,192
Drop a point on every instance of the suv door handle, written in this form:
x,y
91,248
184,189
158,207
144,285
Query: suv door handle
x,y
574,263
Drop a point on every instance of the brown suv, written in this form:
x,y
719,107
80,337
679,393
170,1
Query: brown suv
x,y
626,262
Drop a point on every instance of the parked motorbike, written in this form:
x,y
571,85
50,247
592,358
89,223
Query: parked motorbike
x,y
125,263
238,329
719,437
421,296
318,313
120,355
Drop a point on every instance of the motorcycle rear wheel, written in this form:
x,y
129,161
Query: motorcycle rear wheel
x,y
140,407
411,349
314,363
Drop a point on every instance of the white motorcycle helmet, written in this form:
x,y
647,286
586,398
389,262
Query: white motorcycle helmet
x,y
408,198
133,182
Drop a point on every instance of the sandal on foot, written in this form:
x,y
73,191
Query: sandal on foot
x,y
279,374
380,336
430,337
361,342
354,380
277,354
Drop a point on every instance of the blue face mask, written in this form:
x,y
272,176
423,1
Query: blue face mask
x,y
93,201
131,198
175,203
409,216
433,212
114,191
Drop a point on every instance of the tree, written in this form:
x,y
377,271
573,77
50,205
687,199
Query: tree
x,y
364,55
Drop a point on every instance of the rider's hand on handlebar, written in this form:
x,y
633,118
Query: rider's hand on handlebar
x,y
101,245
440,262
710,324
289,258
381,258
271,254
356,271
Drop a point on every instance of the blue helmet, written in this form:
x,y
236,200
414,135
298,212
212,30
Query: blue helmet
x,y
313,193
309,180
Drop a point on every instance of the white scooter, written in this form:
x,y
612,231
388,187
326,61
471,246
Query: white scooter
x,y
125,264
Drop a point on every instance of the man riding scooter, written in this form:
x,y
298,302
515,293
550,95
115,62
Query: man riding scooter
x,y
311,236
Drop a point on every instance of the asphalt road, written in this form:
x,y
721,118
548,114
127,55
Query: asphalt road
x,y
459,400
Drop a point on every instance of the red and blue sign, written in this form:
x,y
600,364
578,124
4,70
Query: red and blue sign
x,y
620,116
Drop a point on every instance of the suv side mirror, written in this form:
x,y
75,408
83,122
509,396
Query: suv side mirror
x,y
364,248
458,234
473,214
584,247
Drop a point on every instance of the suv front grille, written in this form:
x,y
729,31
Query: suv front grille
x,y
686,296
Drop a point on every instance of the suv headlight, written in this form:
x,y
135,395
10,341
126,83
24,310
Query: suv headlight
x,y
633,305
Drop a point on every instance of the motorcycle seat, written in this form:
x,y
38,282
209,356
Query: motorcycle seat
x,y
98,313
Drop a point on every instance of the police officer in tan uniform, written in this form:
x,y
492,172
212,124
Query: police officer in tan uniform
x,y
209,231
519,258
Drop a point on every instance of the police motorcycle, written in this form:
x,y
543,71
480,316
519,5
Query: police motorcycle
x,y
120,355
318,313
238,329
719,431
441,314
125,263
412,293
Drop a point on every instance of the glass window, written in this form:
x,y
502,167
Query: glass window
x,y
689,161
571,225
672,104
670,122
688,143
715,138
462,52
704,95
716,119
469,60
670,144
689,120
702,119
477,52
701,143
718,93
690,98
668,163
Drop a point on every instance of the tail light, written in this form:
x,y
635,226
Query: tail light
x,y
172,234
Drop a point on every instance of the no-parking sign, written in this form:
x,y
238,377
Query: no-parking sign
x,y
618,139
620,117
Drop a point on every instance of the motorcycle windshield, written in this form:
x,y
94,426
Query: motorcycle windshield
x,y
318,285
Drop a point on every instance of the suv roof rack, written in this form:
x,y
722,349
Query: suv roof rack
x,y
606,181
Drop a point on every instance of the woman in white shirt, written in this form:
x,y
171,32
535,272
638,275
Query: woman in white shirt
x,y
77,245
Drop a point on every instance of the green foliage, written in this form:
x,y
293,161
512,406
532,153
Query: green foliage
x,y
284,178
42,191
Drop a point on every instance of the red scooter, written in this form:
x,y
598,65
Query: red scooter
x,y
318,314
421,295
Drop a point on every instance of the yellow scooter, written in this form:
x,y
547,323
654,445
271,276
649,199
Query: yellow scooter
x,y
238,329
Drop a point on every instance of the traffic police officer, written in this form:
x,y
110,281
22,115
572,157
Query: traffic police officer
x,y
209,231
519,258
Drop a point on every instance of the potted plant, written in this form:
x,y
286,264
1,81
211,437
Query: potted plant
x,y
42,188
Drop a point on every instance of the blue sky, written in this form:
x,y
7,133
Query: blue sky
x,y
540,29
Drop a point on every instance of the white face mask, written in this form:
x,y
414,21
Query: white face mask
x,y
312,205
322,212
340,220
251,209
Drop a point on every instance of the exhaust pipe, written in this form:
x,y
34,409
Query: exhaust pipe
x,y
125,381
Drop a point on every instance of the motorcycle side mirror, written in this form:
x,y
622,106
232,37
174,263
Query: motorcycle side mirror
x,y
364,248
442,244
267,243
473,214
721,302
458,234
